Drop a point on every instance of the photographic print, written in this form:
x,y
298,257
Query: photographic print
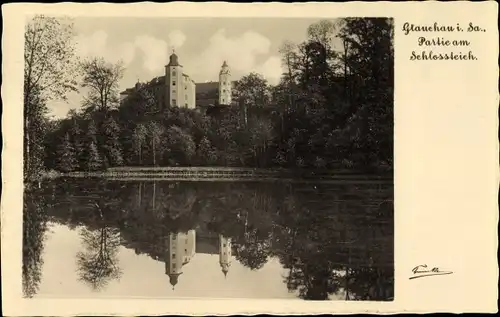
x,y
246,158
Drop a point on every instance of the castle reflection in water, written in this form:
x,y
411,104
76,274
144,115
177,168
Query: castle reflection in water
x,y
330,239
180,248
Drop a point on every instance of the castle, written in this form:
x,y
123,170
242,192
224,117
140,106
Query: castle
x,y
177,89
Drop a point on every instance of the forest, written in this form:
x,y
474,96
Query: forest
x,y
333,108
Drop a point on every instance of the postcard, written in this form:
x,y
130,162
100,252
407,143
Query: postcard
x,y
224,158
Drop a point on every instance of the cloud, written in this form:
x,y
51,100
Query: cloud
x,y
176,39
243,54
97,45
154,51
271,69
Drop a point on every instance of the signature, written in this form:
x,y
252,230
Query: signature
x,y
423,271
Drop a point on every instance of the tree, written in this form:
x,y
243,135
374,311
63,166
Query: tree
x,y
91,131
253,90
315,77
138,140
155,132
206,153
66,155
93,159
49,56
111,146
77,138
101,79
289,59
35,130
261,133
180,145
371,63
322,32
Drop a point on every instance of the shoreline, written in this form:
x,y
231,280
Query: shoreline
x,y
228,174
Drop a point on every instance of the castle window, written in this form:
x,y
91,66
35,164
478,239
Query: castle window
x,y
223,90
224,245
173,266
173,255
173,83
173,73
185,87
223,100
174,102
173,91
173,237
186,104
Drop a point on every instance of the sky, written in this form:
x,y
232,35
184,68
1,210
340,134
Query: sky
x,y
202,44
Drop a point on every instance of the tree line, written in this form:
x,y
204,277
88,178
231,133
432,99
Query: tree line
x,y
333,108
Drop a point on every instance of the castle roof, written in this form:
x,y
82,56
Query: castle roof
x,y
203,88
127,91
174,60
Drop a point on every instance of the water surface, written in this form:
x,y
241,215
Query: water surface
x,y
162,239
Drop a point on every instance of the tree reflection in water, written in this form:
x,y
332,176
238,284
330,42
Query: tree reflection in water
x,y
98,264
333,240
34,230
253,250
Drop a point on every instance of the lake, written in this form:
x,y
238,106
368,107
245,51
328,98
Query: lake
x,y
92,237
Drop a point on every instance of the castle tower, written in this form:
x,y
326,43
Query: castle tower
x,y
174,91
224,254
225,85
